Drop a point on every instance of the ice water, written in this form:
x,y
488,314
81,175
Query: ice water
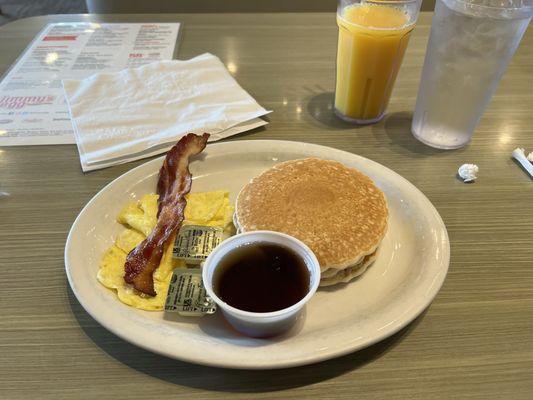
x,y
468,51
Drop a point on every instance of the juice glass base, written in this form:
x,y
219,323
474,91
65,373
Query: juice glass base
x,y
358,121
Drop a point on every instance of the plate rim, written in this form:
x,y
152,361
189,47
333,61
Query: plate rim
x,y
311,358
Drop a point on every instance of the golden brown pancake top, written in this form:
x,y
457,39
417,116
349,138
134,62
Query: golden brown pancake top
x,y
337,211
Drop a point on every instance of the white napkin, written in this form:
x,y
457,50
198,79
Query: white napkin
x,y
134,113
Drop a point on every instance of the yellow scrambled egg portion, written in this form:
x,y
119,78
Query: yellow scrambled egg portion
x,y
139,218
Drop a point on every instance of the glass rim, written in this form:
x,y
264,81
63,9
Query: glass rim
x,y
388,2
471,4
414,5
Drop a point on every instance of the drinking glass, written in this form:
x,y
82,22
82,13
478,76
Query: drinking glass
x,y
373,36
470,46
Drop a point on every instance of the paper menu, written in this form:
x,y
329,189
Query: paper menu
x,y
32,106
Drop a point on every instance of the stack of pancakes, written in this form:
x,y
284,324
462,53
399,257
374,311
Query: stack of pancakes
x,y
337,211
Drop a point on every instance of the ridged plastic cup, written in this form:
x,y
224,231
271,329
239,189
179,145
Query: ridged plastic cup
x,y
269,323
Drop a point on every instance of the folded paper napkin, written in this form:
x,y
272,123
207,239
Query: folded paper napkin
x,y
134,113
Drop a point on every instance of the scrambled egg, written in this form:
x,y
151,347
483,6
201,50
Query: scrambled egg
x,y
209,208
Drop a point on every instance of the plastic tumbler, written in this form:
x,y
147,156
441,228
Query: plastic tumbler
x,y
373,36
470,46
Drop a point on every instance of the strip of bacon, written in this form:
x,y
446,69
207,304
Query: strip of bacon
x,y
174,183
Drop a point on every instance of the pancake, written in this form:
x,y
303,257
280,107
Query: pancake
x,y
337,211
347,274
333,272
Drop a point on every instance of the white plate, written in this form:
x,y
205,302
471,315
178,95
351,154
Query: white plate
x,y
409,271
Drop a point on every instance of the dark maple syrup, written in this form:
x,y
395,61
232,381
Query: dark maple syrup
x,y
261,277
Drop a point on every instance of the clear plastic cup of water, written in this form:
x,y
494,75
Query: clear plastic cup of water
x,y
470,46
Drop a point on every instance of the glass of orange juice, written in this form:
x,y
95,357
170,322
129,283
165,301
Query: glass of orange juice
x,y
373,36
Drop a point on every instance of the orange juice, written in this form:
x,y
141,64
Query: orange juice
x,y
372,41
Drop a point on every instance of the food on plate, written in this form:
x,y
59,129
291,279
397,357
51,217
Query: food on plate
x,y
337,211
140,263
174,183
261,277
208,208
332,276
141,216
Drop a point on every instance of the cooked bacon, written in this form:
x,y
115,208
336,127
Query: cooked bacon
x,y
174,183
